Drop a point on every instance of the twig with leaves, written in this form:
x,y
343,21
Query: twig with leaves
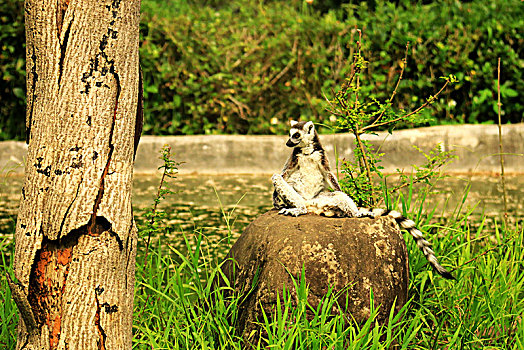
x,y
153,216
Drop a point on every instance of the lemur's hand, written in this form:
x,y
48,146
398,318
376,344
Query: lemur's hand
x,y
293,211
275,178
365,213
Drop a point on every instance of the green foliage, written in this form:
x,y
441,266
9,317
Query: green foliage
x,y
12,70
178,305
436,158
371,191
242,68
249,68
214,66
178,308
8,309
464,39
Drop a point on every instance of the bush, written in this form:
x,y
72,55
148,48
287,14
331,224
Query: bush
x,y
450,37
238,68
12,70
235,69
246,67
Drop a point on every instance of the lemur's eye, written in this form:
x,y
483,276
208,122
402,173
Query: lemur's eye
x,y
295,135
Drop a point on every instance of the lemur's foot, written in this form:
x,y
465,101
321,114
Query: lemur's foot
x,y
365,213
293,211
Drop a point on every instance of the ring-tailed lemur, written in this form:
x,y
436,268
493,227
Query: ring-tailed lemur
x,y
307,185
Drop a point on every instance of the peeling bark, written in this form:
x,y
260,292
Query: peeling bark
x,y
32,78
101,342
63,49
60,13
75,234
139,123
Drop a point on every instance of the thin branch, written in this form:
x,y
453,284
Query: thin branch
x,y
275,78
405,61
153,212
335,112
354,181
347,84
282,72
342,103
287,67
366,164
248,53
240,106
430,100
333,108
170,169
505,242
359,45
478,256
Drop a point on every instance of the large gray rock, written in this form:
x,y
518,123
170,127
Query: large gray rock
x,y
358,254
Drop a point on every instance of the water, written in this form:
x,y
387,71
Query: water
x,y
220,207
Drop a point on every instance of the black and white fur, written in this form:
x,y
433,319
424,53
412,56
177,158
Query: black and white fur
x,y
307,185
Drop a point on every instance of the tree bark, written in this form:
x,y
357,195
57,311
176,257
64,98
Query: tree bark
x,y
75,234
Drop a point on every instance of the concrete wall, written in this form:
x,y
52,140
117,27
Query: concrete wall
x,y
476,146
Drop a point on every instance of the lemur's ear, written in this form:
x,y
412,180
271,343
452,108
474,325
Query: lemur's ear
x,y
309,126
293,123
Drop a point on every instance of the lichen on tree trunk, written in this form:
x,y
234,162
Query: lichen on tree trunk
x,y
75,234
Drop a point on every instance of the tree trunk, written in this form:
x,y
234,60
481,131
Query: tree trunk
x,y
75,234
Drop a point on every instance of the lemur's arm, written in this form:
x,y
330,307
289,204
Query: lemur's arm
x,y
329,177
333,181
290,166
289,196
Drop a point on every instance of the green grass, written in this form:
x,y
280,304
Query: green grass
x,y
177,307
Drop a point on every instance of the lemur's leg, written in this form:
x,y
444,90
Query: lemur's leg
x,y
337,204
288,193
348,205
327,204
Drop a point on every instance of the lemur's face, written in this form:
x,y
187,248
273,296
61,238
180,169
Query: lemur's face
x,y
301,134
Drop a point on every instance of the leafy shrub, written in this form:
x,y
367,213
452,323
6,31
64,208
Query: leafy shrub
x,y
451,37
214,66
12,70
234,69
246,68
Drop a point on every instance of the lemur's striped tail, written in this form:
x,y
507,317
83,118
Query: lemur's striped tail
x,y
422,243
